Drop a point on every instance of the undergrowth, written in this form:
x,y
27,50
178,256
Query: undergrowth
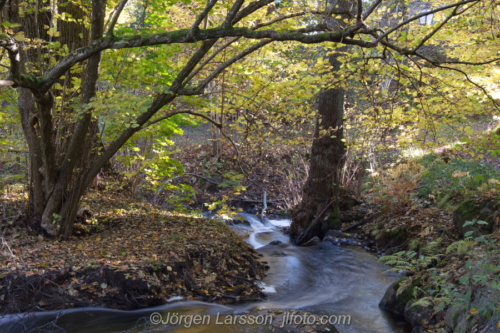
x,y
454,179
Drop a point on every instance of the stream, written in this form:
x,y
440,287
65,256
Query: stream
x,y
345,284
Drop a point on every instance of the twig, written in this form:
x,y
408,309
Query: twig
x,y
115,17
202,177
4,243
357,224
313,223
264,202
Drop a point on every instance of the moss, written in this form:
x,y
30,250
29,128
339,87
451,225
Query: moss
x,y
467,209
497,130
30,77
473,209
333,221
414,244
407,295
479,210
397,234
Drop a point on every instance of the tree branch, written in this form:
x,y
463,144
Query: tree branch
x,y
252,7
201,87
371,9
159,102
13,51
485,92
115,17
182,36
359,16
435,30
232,13
202,16
179,36
220,49
152,122
416,17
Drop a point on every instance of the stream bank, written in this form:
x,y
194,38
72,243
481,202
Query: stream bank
x,y
135,255
146,257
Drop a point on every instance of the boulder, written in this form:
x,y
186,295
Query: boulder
x,y
395,303
339,238
419,315
459,319
335,234
313,241
479,210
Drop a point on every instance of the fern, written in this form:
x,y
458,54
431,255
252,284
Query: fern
x,y
424,301
460,246
405,284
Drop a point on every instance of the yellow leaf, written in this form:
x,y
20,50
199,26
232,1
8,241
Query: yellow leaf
x,y
19,36
474,311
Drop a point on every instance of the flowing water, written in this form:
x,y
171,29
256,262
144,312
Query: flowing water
x,y
326,279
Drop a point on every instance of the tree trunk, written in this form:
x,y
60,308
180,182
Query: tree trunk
x,y
321,189
319,209
60,142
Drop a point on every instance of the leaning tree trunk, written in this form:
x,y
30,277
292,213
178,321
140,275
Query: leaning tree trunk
x,y
318,211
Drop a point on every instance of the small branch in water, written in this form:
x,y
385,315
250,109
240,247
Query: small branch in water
x,y
300,239
264,202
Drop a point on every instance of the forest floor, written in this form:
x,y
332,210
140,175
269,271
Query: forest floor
x,y
129,254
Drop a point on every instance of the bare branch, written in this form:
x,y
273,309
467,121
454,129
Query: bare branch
x,y
199,89
152,122
467,62
13,50
252,7
232,13
210,58
220,49
330,9
416,17
371,9
480,87
281,18
202,16
359,16
436,29
115,17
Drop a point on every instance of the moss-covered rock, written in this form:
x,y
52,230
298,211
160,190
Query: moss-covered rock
x,y
419,315
480,210
395,303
